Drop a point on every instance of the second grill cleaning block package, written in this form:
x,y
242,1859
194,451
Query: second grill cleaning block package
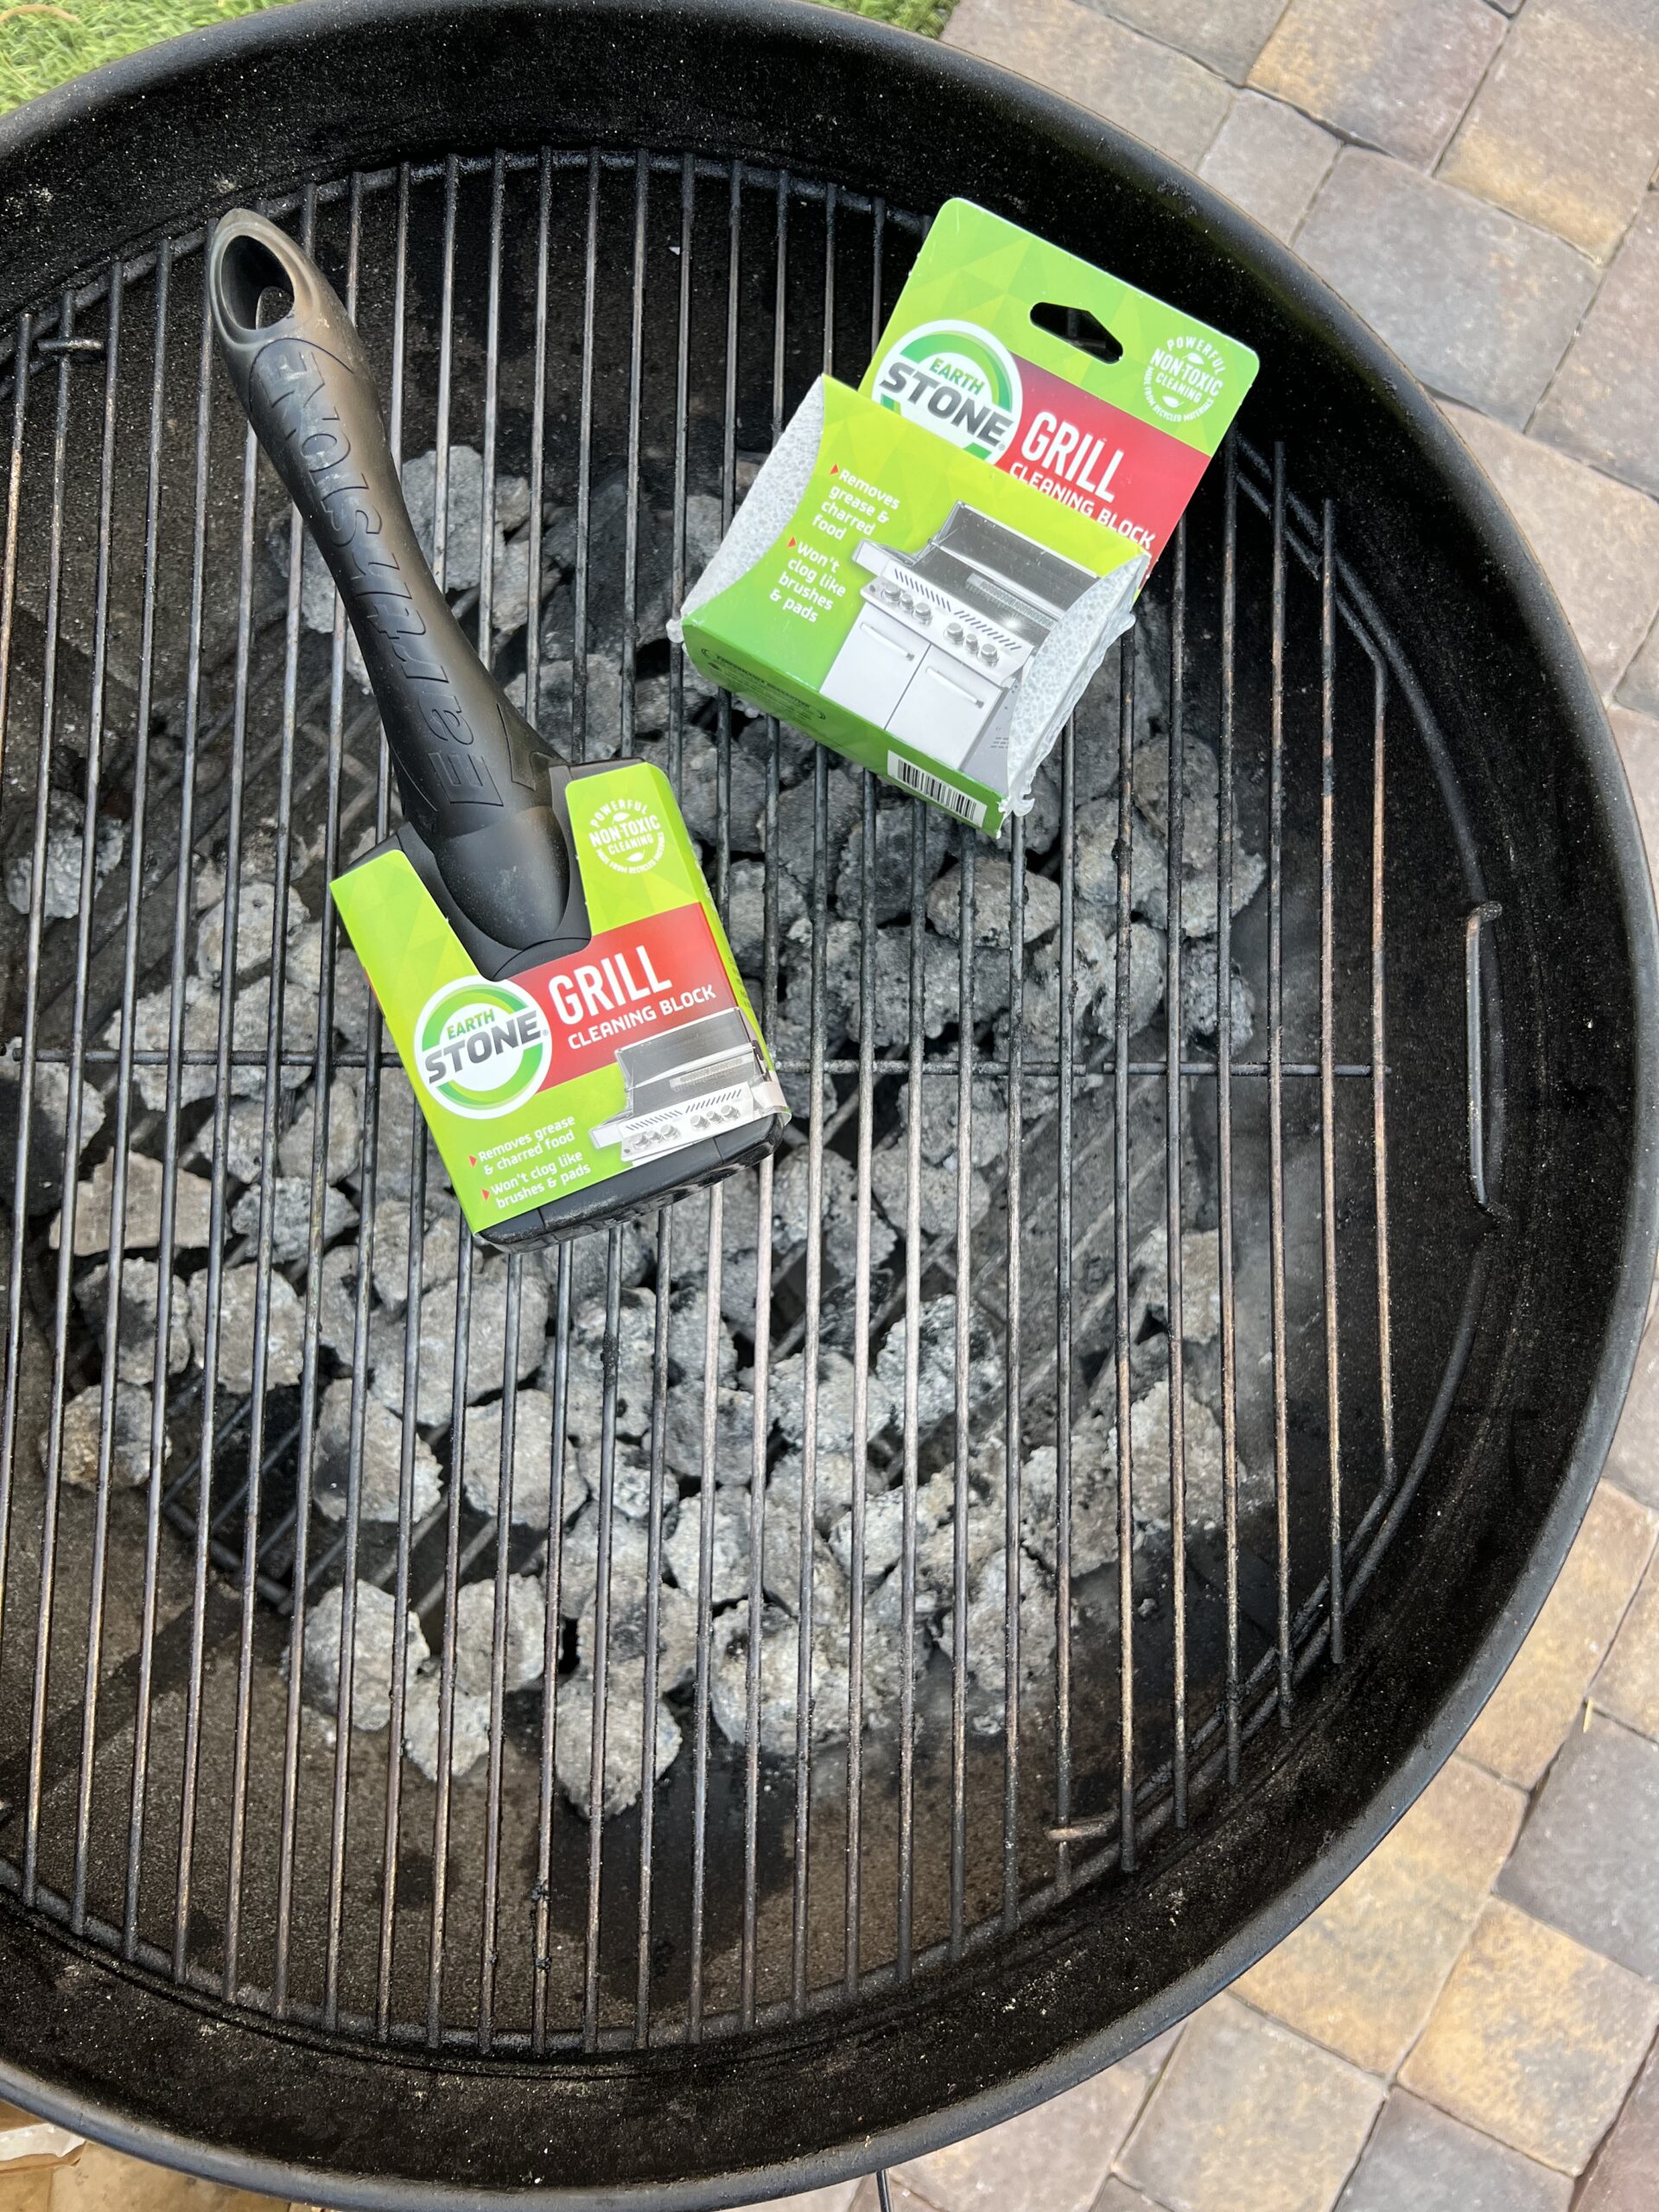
x,y
928,570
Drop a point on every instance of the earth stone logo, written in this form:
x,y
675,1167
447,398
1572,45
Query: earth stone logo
x,y
482,1048
627,836
959,382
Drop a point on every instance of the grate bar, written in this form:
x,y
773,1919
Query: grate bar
x,y
1225,836
1327,1053
95,737
1121,1259
1275,1080
1172,1118
1379,1080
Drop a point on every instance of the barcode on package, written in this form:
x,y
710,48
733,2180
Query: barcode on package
x,y
934,787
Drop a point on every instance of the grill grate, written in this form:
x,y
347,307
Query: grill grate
x,y
628,333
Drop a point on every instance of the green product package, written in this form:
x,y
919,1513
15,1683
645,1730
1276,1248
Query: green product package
x,y
541,1085
927,571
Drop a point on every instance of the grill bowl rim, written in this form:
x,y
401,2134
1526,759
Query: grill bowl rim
x,y
116,98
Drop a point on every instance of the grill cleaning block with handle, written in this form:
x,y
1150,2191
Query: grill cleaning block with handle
x,y
927,571
539,937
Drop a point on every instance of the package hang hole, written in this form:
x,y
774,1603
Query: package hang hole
x,y
1079,328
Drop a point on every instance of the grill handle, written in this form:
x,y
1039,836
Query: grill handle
x,y
479,787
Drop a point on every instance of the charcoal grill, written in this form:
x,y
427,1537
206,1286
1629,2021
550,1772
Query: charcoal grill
x,y
608,248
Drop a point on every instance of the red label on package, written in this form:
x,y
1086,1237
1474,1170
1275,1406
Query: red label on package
x,y
1090,455
639,981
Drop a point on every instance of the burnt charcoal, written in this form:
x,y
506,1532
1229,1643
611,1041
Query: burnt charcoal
x,y
83,1427
345,1145
1092,1458
469,1726
532,1462
630,1558
985,1639
1199,997
380,1472
687,1331
49,1118
624,1740
60,876
256,911
373,1638
780,1637
136,1319
733,1451
729,1568
524,1644
746,911
288,1198
994,903
282,1337
440,1245
786,1403
936,1190
141,1228
625,1637
897,831
937,1359
486,1341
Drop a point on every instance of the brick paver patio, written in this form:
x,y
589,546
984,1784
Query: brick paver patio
x,y
1469,2025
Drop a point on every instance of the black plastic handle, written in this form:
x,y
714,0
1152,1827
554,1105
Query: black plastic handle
x,y
476,778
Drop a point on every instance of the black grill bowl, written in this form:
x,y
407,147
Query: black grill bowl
x,y
1515,1324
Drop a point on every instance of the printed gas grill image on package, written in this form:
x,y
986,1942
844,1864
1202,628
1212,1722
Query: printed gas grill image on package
x,y
944,635
701,1078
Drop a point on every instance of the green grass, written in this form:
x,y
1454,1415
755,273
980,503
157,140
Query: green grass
x,y
43,42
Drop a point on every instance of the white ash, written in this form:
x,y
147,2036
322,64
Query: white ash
x,y
733,1447
1201,895
136,1319
1095,979
151,1021
937,1192
440,1245
287,1199
632,1485
792,1218
579,1561
345,1146
729,1566
625,1740
994,903
373,1637
50,1110
633,1354
746,911
469,1726
463,510
1096,862
1200,1282
141,1229
243,1148
380,1473
780,1639
1093,1518
985,1643
780,1542
337,1302
256,911
1198,996
532,1462
523,1645
688,1333
282,1339
837,1378
60,876
83,1424
936,1362
884,1526
1149,1453
400,1126
625,1635
485,1341
833,1476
